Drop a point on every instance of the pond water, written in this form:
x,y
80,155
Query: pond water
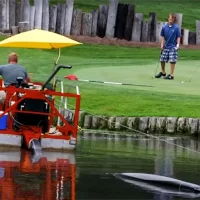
x,y
98,160
89,172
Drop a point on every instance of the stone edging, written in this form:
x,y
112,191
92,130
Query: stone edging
x,y
151,125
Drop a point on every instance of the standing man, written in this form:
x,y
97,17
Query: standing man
x,y
170,43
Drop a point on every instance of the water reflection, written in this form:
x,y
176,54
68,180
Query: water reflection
x,y
51,178
98,158
59,176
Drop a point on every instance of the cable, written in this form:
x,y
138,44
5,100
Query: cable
x,y
140,132
137,131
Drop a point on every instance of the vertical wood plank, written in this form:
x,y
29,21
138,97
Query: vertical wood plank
x,y
137,27
112,16
68,16
102,20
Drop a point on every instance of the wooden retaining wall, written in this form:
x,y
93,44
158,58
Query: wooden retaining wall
x,y
113,20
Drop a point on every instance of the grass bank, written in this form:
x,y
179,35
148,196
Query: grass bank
x,y
121,64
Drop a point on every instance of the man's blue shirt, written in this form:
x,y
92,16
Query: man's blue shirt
x,y
170,33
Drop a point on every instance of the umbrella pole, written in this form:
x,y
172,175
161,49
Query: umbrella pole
x,y
55,64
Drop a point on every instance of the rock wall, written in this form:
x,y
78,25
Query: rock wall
x,y
151,125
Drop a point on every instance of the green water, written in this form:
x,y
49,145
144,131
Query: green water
x,y
98,160
89,172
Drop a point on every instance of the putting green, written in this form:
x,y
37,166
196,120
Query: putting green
x,y
142,75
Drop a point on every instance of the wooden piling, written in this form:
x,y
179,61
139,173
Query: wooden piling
x,y
129,22
95,14
23,26
192,38
185,36
52,18
68,16
25,8
102,20
159,26
112,16
197,31
4,14
12,11
60,22
38,13
137,27
7,15
86,26
76,22
152,27
32,17
179,19
14,30
45,15
145,31
18,13
121,20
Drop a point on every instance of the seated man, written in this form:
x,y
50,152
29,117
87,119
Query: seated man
x,y
10,72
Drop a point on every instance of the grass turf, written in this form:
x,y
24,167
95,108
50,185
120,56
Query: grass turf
x,y
121,64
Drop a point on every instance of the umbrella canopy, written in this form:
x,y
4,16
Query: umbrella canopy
x,y
39,39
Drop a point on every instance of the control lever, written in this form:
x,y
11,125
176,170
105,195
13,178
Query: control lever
x,y
54,73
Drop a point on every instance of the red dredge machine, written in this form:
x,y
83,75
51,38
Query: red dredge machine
x,y
30,115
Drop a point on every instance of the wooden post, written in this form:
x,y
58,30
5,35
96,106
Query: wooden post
x,y
4,14
23,26
192,37
112,16
25,7
129,22
121,20
52,17
18,13
45,15
159,26
152,27
102,20
76,22
145,31
185,36
14,30
137,27
179,17
32,17
7,15
95,14
12,11
60,19
38,13
68,16
86,27
197,31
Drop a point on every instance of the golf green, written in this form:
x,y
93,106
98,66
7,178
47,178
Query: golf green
x,y
142,75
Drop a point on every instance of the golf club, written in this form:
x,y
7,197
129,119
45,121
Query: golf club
x,y
189,80
157,65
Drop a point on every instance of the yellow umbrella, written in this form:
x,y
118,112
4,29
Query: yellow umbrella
x,y
39,39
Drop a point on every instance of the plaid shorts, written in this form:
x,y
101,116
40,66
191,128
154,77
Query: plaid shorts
x,y
170,55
